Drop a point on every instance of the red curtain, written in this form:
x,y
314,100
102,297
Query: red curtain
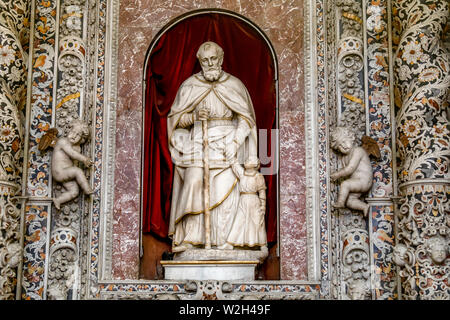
x,y
173,60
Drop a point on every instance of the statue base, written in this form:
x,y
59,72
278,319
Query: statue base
x,y
222,255
209,270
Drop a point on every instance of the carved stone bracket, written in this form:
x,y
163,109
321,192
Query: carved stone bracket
x,y
63,250
356,263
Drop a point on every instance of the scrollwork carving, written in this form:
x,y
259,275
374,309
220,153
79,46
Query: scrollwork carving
x,y
63,250
64,253
14,32
71,65
61,274
351,258
422,89
350,67
356,263
422,251
10,250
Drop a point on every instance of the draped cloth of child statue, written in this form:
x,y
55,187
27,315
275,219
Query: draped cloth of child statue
x,y
231,132
249,226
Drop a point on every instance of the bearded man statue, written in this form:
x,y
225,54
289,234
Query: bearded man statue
x,y
224,102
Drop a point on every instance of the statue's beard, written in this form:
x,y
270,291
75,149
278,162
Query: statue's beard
x,y
212,74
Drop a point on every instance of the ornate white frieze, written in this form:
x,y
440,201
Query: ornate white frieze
x,y
350,66
210,290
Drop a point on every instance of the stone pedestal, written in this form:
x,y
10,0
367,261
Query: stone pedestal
x,y
209,270
222,255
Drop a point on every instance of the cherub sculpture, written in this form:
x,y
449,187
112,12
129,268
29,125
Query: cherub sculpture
x,y
66,150
402,256
357,167
248,228
437,248
10,255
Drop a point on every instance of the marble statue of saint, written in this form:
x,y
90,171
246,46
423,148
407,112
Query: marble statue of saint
x,y
220,102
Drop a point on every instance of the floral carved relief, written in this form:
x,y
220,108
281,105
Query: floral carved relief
x,y
14,33
422,88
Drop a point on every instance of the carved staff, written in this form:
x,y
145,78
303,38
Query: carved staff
x,y
206,181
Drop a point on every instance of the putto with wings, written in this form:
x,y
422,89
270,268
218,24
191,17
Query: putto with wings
x,y
357,168
65,150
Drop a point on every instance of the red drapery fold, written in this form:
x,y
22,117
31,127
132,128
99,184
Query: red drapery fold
x,y
173,60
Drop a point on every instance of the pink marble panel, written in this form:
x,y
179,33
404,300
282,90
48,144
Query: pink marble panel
x,y
293,251
132,43
140,20
293,255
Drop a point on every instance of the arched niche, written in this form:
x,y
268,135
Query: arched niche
x,y
171,59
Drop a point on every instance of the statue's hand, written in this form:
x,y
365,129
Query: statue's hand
x,y
203,113
334,176
230,150
88,162
262,218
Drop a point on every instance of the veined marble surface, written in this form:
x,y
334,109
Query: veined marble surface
x,y
282,21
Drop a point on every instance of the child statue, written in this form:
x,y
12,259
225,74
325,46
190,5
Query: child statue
x,y
63,168
357,168
248,228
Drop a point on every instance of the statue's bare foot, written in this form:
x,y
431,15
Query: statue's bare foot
x,y
339,205
366,211
57,204
89,191
182,247
225,246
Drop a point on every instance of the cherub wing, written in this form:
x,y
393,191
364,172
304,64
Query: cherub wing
x,y
371,146
48,139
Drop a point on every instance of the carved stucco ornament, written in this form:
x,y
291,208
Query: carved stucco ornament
x,y
69,151
14,32
63,250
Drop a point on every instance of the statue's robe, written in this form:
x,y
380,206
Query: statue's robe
x,y
232,118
